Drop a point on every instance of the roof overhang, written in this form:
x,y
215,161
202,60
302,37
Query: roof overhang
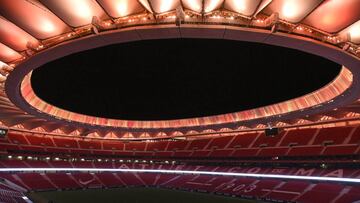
x,y
299,25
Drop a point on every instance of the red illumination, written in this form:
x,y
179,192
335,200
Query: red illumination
x,y
334,15
7,54
33,17
121,8
75,13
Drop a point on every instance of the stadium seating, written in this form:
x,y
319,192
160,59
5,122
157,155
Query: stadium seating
x,y
40,140
288,191
177,145
335,135
321,192
63,180
219,143
336,143
65,142
243,140
9,196
298,137
308,142
265,189
157,146
36,181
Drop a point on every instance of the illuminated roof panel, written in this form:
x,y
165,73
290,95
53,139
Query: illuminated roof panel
x,y
292,10
7,54
13,36
75,13
33,18
353,31
244,7
121,8
146,5
211,5
334,15
162,6
195,5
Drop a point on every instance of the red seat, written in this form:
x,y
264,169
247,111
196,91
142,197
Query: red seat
x,y
32,148
163,154
269,141
245,152
17,138
102,152
334,150
86,180
221,153
260,188
294,186
7,147
352,195
200,183
38,164
165,179
62,180
57,150
157,146
113,145
36,181
298,137
273,151
355,138
335,135
103,164
235,186
89,144
177,145
220,142
198,144
200,153
65,142
243,140
11,178
288,191
136,146
148,178
40,140
130,179
322,192
122,153
14,164
305,151
110,180
83,164
144,154
282,195
182,153
61,164
178,181
79,151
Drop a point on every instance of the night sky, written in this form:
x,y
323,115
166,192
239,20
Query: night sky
x,y
179,78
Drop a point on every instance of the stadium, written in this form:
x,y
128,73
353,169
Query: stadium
x,y
180,101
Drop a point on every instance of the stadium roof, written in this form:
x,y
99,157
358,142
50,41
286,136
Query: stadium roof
x,y
33,33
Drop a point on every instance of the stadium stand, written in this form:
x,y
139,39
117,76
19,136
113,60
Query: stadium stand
x,y
266,189
295,146
289,143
